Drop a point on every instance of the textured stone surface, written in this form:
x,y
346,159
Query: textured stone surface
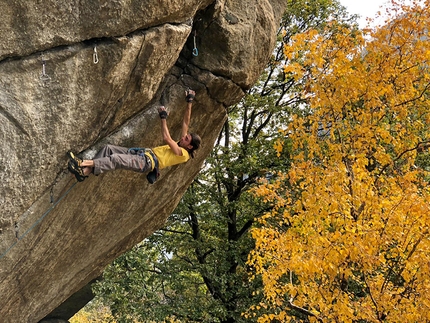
x,y
57,235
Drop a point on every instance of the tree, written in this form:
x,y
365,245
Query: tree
x,y
347,239
194,269
93,313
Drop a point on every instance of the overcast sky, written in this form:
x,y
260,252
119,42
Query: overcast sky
x,y
365,8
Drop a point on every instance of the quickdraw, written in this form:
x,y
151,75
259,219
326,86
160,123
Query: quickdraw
x,y
195,50
44,77
95,56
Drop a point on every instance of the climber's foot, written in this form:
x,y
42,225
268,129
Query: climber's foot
x,y
74,159
77,171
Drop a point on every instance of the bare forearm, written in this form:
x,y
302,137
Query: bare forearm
x,y
165,130
168,139
187,115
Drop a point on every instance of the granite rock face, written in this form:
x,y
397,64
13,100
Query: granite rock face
x,y
79,74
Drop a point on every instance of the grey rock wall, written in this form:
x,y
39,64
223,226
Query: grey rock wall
x,y
57,235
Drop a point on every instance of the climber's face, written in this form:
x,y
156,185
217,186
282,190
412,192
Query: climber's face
x,y
185,141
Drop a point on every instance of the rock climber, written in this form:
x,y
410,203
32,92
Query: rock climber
x,y
143,160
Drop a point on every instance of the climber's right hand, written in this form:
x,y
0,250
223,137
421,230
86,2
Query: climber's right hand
x,y
190,95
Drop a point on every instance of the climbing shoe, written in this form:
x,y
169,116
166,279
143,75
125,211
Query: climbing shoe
x,y
74,159
77,171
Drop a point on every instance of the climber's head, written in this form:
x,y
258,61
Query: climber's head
x,y
190,142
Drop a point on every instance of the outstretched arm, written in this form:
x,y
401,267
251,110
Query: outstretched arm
x,y
190,94
166,134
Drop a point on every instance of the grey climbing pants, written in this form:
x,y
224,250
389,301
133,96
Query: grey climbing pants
x,y
112,157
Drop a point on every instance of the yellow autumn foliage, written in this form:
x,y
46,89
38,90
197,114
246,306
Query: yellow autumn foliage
x,y
349,240
94,314
99,313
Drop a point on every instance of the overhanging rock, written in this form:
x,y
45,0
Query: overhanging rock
x,y
80,74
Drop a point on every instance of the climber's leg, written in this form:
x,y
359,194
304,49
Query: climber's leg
x,y
110,150
112,157
135,163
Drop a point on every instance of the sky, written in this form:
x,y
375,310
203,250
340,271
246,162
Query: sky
x,y
365,8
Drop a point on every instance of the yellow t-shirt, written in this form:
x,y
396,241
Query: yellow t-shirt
x,y
166,157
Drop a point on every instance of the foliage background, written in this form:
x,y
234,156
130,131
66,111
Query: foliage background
x,y
347,239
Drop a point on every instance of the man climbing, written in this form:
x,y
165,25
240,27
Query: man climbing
x,y
142,159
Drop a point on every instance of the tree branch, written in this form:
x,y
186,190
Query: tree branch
x,y
245,228
175,231
303,310
418,97
398,157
